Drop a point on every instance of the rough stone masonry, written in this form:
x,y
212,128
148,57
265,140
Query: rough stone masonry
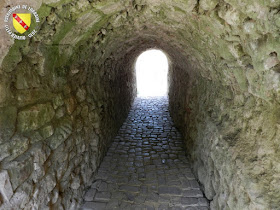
x,y
65,93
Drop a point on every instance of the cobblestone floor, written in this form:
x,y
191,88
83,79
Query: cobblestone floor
x,y
146,167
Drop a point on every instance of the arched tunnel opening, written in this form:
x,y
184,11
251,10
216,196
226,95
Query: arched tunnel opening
x,y
151,73
68,101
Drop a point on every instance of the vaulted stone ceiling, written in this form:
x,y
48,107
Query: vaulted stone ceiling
x,y
66,91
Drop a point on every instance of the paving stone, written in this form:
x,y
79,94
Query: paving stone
x,y
93,206
189,201
113,204
192,193
102,196
169,190
118,195
125,205
130,197
152,197
149,207
140,199
202,208
164,199
194,184
190,208
177,208
89,196
203,201
146,166
103,186
129,188
163,207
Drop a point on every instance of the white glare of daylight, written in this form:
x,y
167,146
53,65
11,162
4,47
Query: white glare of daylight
x,y
151,73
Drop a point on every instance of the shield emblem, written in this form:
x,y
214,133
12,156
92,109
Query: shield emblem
x,y
21,22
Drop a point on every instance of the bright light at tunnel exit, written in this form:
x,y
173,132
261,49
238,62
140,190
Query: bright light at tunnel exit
x,y
151,73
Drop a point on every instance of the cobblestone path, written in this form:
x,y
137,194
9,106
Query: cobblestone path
x,y
146,167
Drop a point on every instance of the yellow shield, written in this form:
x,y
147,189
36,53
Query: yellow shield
x,y
22,22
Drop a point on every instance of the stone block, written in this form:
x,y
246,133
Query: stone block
x,y
90,194
194,184
32,96
35,117
5,152
113,204
94,206
9,60
19,200
81,94
58,101
4,89
22,195
61,133
20,170
6,189
14,148
76,183
129,188
111,7
102,196
49,182
47,131
103,186
26,78
189,201
35,137
84,112
60,112
208,4
203,201
39,159
169,190
55,196
8,117
70,104
84,23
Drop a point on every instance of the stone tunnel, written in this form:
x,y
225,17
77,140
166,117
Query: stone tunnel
x,y
66,92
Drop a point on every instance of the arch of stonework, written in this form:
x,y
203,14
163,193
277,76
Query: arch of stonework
x,y
65,93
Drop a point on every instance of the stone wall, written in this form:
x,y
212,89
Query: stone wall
x,y
227,105
56,127
66,91
59,111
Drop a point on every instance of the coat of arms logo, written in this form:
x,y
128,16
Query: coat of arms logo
x,y
25,22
